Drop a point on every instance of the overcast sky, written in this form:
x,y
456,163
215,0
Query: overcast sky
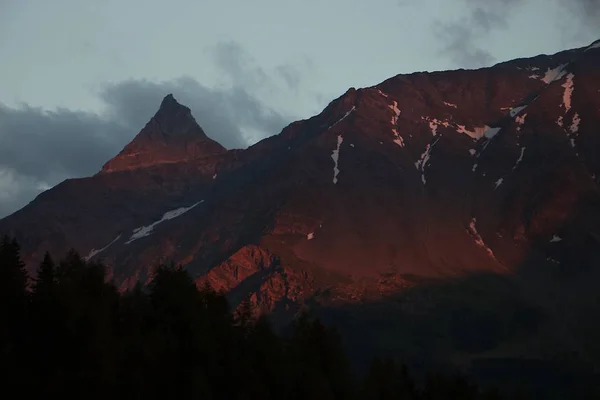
x,y
79,78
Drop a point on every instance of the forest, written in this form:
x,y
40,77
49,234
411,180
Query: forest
x,y
69,332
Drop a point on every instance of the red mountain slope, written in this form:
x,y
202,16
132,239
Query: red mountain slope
x,y
427,175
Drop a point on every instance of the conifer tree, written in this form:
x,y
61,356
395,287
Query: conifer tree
x,y
13,308
45,282
44,315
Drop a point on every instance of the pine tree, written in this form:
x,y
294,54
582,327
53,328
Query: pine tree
x,y
13,275
318,361
13,308
45,282
44,334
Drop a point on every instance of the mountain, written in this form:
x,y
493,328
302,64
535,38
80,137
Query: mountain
x,y
171,136
450,218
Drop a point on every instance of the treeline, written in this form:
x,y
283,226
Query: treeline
x,y
70,333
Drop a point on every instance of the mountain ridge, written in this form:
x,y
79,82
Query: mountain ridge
x,y
424,179
348,99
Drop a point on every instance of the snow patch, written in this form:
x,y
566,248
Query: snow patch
x,y
521,119
574,128
498,183
335,155
559,121
215,176
478,239
486,131
310,236
144,231
343,118
554,74
491,132
433,126
475,167
351,144
421,164
575,124
398,139
516,110
94,252
568,93
396,110
472,152
555,239
450,104
435,123
381,93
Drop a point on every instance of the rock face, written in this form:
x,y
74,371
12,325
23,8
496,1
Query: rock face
x,y
460,202
171,136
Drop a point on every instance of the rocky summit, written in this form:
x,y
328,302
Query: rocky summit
x,y
449,218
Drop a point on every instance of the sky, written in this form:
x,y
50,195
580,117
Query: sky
x,y
80,78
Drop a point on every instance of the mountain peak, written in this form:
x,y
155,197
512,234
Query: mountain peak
x,y
168,99
169,103
171,135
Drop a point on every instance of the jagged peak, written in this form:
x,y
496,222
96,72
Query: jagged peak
x,y
169,104
168,99
171,135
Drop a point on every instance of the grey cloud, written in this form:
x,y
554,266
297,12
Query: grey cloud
x,y
238,65
222,113
461,47
40,148
460,37
50,145
290,75
588,11
16,190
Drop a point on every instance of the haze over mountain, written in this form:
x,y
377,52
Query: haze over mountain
x,y
447,218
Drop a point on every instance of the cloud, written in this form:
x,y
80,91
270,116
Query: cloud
x,y
290,75
40,148
460,45
47,146
237,64
224,113
16,190
460,37
588,11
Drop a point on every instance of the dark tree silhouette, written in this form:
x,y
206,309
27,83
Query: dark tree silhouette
x,y
74,335
13,309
